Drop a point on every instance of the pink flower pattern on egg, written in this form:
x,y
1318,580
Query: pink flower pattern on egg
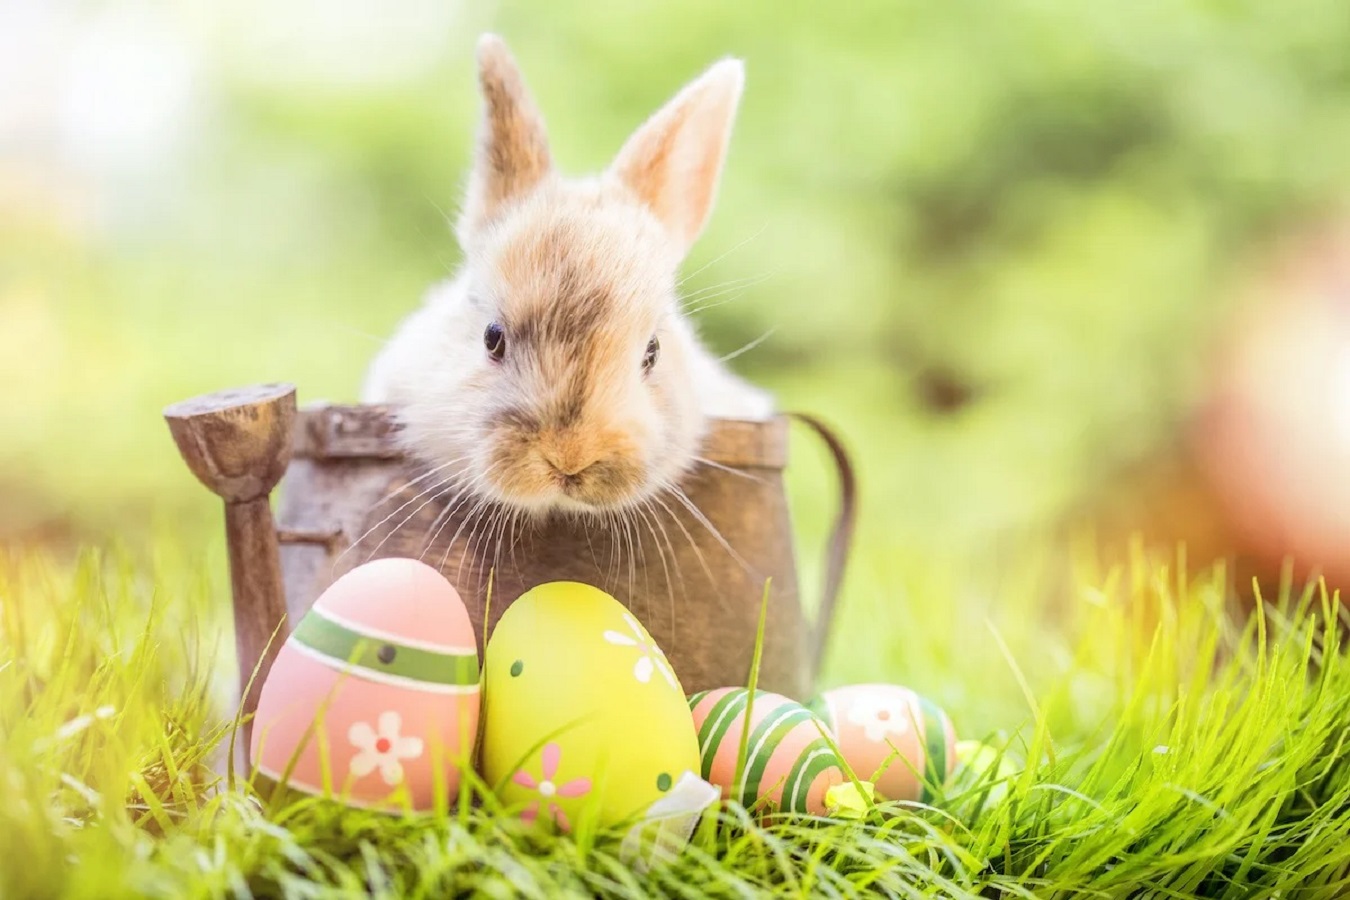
x,y
382,748
547,789
651,658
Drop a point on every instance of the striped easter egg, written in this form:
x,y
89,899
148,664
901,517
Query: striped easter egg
x,y
789,765
889,735
374,697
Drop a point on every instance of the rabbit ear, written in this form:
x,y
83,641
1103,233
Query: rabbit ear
x,y
513,155
673,162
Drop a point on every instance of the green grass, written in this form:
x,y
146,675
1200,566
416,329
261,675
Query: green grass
x,y
1172,750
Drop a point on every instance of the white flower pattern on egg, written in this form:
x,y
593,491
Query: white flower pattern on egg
x,y
880,716
651,658
382,747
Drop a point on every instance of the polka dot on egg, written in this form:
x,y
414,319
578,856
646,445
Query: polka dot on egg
x,y
517,667
663,782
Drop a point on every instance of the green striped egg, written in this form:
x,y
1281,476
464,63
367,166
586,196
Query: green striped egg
x,y
789,764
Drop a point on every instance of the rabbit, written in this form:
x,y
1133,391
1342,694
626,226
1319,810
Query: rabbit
x,y
555,371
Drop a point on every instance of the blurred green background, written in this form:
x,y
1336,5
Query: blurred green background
x,y
992,242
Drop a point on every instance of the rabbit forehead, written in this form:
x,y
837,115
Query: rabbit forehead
x,y
583,257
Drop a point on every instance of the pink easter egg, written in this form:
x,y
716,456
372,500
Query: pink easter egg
x,y
889,735
788,763
375,694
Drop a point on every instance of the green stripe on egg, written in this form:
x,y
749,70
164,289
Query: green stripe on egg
x,y
818,757
720,718
935,748
382,657
764,741
709,723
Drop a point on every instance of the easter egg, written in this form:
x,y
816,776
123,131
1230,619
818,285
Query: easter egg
x,y
788,763
889,735
583,713
373,699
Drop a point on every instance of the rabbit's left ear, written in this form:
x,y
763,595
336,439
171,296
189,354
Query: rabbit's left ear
x,y
673,161
513,155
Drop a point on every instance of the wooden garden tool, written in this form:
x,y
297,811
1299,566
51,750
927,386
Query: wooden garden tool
x,y
238,444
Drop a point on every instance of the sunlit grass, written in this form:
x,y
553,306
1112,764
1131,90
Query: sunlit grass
x,y
1172,749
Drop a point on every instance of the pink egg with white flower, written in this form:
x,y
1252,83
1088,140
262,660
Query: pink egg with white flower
x,y
374,698
889,735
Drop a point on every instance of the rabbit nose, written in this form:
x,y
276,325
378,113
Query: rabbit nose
x,y
568,461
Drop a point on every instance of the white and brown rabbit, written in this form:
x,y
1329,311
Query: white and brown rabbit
x,y
556,371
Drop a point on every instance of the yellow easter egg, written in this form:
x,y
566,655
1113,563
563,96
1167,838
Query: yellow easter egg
x,y
583,714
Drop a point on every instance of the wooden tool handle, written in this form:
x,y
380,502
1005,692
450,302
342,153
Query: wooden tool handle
x,y
259,604
238,444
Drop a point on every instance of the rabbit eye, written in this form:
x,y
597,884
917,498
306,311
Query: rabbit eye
x,y
653,351
495,341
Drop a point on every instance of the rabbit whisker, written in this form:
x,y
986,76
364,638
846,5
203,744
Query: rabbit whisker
x,y
717,290
435,490
703,461
693,544
712,530
750,346
717,259
420,478
443,517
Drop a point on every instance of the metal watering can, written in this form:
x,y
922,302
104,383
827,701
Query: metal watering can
x,y
694,574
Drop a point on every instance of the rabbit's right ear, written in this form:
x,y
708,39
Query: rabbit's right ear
x,y
512,156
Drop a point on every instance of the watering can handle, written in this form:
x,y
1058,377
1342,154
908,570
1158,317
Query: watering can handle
x,y
841,535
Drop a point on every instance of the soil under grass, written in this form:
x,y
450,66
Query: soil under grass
x,y
1172,750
